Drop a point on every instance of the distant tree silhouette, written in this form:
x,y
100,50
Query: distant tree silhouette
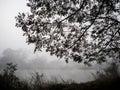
x,y
82,30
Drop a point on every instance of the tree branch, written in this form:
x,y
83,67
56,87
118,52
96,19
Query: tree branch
x,y
74,12
90,24
115,20
107,43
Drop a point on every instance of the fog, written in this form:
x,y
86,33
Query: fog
x,y
29,63
13,48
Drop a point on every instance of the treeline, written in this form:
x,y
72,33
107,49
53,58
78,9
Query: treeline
x,y
108,79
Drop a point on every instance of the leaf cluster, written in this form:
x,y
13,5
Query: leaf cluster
x,y
82,30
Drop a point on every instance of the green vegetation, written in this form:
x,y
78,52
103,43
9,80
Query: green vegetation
x,y
9,81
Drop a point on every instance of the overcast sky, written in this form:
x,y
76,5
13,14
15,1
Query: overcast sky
x,y
10,36
14,49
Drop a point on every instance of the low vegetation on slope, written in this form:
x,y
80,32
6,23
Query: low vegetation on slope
x,y
103,81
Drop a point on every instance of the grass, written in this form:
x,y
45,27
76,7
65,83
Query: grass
x,y
9,81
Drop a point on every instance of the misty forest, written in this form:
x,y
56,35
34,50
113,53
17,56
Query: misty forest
x,y
76,46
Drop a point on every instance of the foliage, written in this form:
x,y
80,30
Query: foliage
x,y
9,81
110,72
82,30
38,82
8,78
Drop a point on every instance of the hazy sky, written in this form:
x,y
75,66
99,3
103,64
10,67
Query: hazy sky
x,y
11,37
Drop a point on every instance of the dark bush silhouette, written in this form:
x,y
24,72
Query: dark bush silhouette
x,y
110,72
9,81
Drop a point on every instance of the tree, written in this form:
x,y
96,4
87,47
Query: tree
x,y
82,30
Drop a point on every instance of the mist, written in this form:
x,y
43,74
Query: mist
x,y
29,63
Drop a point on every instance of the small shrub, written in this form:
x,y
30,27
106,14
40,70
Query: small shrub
x,y
8,79
111,72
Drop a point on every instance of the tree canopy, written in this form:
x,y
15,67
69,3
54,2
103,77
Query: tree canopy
x,y
84,31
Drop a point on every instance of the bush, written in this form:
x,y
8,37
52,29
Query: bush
x,y
107,79
8,79
111,72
